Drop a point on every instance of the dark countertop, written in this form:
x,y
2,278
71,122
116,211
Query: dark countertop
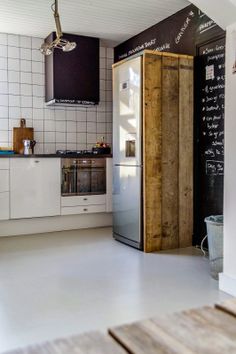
x,y
72,156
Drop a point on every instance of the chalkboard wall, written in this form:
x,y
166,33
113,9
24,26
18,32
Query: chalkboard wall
x,y
191,32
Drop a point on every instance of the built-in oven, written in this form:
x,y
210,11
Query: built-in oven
x,y
83,176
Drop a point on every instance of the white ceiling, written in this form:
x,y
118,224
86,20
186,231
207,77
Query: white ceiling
x,y
112,20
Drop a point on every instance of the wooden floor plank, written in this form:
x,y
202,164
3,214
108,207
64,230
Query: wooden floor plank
x,y
90,343
206,331
228,306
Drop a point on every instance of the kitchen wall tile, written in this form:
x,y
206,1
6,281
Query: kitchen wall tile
x,y
26,89
22,78
38,125
39,148
108,128
70,138
3,75
3,112
3,63
26,65
14,88
13,52
4,124
70,127
4,88
25,42
13,76
25,54
3,39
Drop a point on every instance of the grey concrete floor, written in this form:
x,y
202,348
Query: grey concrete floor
x,y
63,283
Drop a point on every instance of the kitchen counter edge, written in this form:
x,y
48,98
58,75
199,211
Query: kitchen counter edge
x,y
56,156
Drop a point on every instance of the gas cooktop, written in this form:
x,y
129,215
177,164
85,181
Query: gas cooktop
x,y
76,152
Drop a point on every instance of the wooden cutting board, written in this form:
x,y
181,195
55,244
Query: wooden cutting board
x,y
20,134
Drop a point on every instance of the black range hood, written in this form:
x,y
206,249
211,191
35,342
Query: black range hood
x,y
73,77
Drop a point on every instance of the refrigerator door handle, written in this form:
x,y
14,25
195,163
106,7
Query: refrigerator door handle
x,y
126,165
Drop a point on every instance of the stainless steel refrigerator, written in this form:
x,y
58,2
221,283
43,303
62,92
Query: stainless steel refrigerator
x,y
127,152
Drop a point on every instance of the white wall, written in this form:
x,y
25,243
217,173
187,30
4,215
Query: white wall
x,y
22,95
228,278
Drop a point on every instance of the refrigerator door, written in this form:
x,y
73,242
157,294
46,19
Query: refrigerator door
x,y
127,205
127,112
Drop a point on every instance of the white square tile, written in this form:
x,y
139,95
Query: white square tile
x,y
14,123
26,65
108,96
101,117
38,125
102,52
37,55
29,123
80,146
102,96
49,137
3,75
102,74
109,75
71,115
81,138
38,137
4,124
81,116
101,107
109,128
71,127
25,54
25,42
26,101
3,63
101,128
91,127
36,42
81,127
91,116
27,112
14,76
38,91
91,138
49,125
14,112
60,126
70,138
3,136
108,85
14,88
4,100
109,63
60,146
38,113
39,148
14,101
70,146
3,39
60,137
13,64
38,79
60,114
4,88
102,63
109,117
13,52
3,51
13,40
38,102
25,78
3,112
110,53
26,90
49,113
109,139
37,67
49,148
102,85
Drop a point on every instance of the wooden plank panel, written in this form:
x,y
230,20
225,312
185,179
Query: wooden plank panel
x,y
185,152
204,331
228,307
170,152
152,152
90,343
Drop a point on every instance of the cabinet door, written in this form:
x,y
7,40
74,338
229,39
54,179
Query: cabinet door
x,y
34,187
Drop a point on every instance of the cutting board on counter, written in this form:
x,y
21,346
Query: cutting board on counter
x,y
19,134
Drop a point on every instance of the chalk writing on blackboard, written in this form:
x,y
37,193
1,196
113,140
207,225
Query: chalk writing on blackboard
x,y
214,168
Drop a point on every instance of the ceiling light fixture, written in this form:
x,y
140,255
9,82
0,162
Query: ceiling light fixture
x,y
59,42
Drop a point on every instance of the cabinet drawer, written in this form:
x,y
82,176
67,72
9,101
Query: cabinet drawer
x,y
83,200
4,163
4,181
4,206
90,209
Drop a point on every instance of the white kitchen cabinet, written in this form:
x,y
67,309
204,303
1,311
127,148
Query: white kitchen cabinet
x,y
4,181
4,205
4,188
35,187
